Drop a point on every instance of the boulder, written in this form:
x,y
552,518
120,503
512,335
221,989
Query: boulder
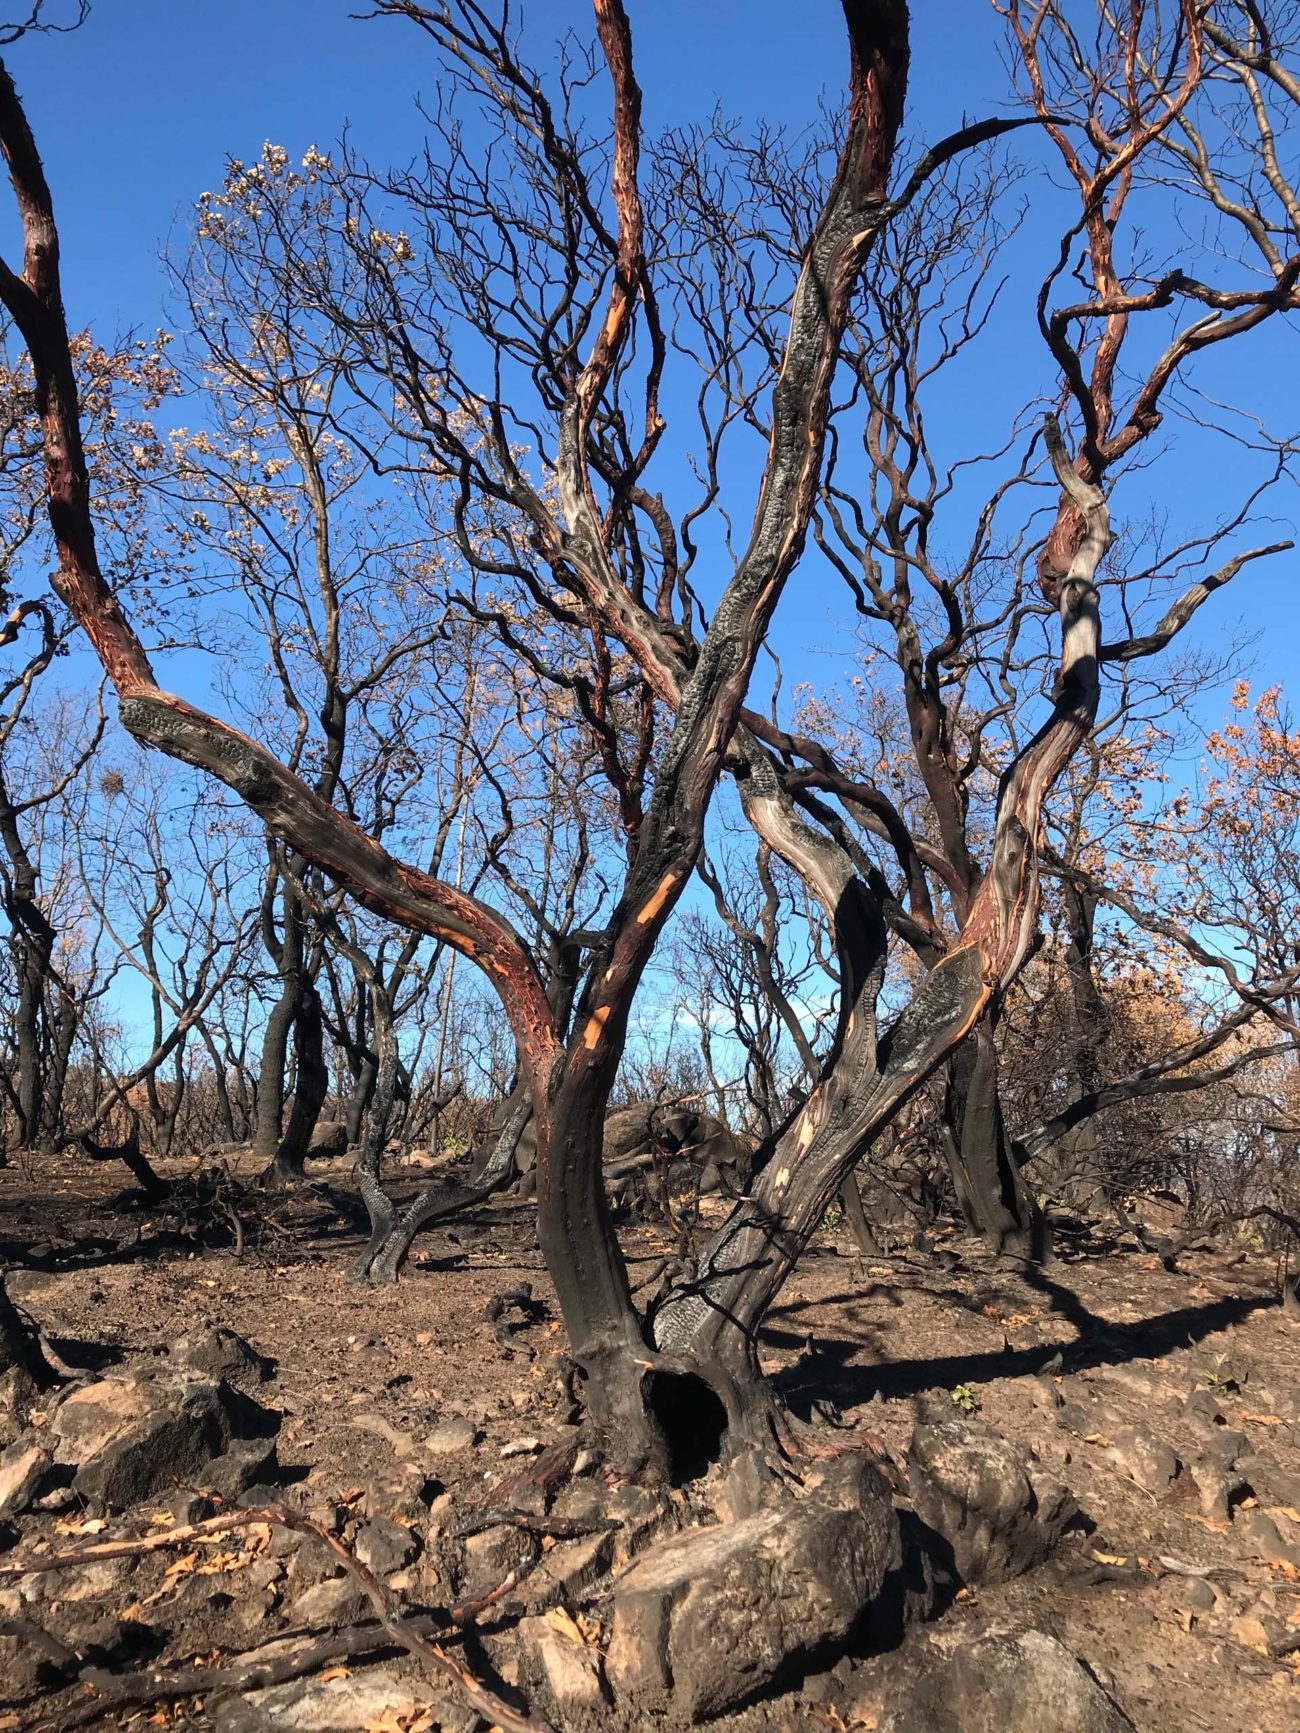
x,y
1005,1682
991,1500
709,1617
128,1438
329,1140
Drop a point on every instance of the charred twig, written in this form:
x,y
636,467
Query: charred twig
x,y
559,1527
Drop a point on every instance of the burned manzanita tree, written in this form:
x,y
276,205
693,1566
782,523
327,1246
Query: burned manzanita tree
x,y
572,291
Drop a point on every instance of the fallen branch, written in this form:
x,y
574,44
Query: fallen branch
x,y
408,1635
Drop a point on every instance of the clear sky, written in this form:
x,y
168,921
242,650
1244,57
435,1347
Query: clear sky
x,y
137,113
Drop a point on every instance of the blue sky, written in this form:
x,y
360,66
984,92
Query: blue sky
x,y
137,113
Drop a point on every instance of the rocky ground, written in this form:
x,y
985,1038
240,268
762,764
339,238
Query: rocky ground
x,y
1097,1473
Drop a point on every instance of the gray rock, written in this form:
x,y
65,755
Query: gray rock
x,y
1217,1486
1220,1443
337,1601
22,1468
1140,1381
1006,1682
711,1615
212,1351
1204,1403
491,1556
1260,1535
317,1706
991,1500
329,1140
450,1437
573,1670
1144,1459
1271,1483
129,1438
1191,1594
384,1546
25,1671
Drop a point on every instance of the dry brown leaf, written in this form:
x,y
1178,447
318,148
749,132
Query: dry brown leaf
x,y
565,1623
1264,1419
335,1673
78,1525
1110,1558
1250,1633
1210,1522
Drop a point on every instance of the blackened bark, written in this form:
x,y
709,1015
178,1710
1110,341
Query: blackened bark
x,y
1079,1158
31,943
392,1236
20,1348
310,1088
991,1190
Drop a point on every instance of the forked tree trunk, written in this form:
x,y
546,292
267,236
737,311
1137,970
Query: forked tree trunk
x,y
392,1234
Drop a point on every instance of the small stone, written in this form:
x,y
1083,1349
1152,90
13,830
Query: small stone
x,y
450,1437
337,1601
1250,1632
1204,1403
1260,1535
573,1668
384,1546
318,1705
522,1447
1192,1594
1217,1487
1144,1459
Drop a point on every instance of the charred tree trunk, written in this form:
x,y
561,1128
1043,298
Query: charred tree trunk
x,y
24,1370
392,1234
297,1018
1078,1156
991,1190
310,1089
31,943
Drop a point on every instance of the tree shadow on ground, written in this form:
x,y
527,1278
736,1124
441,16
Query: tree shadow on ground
x,y
828,1374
